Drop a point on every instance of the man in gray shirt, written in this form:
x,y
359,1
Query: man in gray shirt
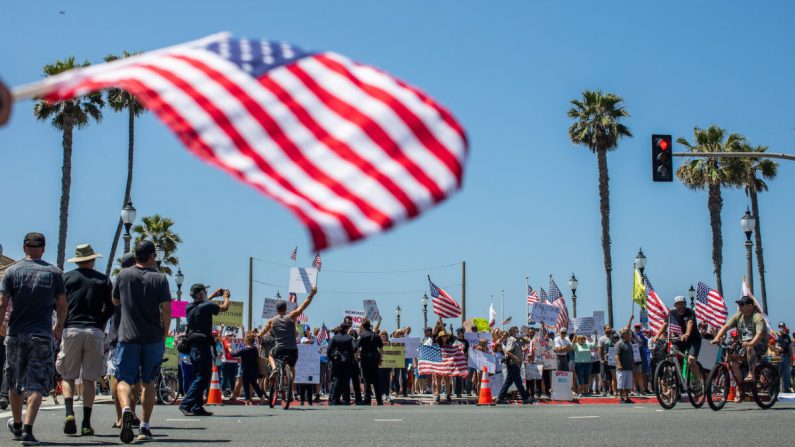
x,y
624,365
145,300
33,287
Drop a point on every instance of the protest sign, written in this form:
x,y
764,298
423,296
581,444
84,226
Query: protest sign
x,y
307,368
178,309
544,313
171,355
232,317
635,352
371,310
584,325
481,324
393,355
495,383
611,356
357,316
561,386
302,280
412,345
599,322
708,356
550,358
479,359
269,308
533,371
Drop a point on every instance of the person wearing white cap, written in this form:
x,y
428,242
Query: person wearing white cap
x,y
89,307
689,339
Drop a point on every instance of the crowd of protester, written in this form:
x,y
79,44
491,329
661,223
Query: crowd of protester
x,y
80,332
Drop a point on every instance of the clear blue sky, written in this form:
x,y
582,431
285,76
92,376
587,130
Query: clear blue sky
x,y
529,205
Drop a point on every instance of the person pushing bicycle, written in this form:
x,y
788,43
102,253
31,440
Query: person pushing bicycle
x,y
284,330
690,339
753,335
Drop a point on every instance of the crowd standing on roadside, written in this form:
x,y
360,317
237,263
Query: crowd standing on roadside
x,y
74,329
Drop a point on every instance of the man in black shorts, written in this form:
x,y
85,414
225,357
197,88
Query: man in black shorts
x,y
282,325
690,339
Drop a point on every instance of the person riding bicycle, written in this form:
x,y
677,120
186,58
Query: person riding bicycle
x,y
689,340
751,325
285,347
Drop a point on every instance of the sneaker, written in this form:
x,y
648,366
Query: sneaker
x,y
579,396
29,439
202,412
144,434
17,433
136,422
69,426
86,431
126,434
186,412
3,404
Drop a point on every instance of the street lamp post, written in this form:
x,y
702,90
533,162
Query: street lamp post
x,y
573,283
397,316
640,261
127,218
748,224
160,255
179,278
692,294
425,310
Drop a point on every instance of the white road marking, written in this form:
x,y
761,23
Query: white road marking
x,y
183,420
388,420
584,417
660,411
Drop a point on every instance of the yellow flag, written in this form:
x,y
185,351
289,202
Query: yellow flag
x,y
639,290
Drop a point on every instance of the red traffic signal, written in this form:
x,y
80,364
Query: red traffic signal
x,y
661,160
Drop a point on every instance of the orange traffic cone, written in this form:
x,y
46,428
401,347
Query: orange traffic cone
x,y
214,396
732,391
484,398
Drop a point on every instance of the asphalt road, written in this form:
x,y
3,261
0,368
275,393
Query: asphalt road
x,y
457,425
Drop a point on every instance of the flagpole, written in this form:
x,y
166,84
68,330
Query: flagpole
x,y
502,309
526,303
463,291
250,289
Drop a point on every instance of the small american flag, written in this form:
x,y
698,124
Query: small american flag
x,y
558,301
710,306
303,319
317,263
292,297
294,254
443,304
445,361
544,296
350,150
532,297
673,325
322,334
656,309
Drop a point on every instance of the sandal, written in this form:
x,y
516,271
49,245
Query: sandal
x,y
116,425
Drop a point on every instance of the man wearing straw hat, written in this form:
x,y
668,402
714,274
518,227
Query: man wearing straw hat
x,y
89,306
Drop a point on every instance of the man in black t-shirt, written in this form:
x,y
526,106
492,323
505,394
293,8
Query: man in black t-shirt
x,y
199,315
89,306
370,345
784,344
340,353
690,339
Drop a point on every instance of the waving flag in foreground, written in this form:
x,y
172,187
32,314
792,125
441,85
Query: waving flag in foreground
x,y
446,361
710,306
347,148
443,304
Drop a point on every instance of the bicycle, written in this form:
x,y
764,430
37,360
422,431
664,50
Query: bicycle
x,y
283,377
764,386
166,386
671,373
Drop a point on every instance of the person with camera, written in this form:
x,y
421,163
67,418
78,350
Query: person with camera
x,y
513,360
199,340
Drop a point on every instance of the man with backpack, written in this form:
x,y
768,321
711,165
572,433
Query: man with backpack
x,y
198,342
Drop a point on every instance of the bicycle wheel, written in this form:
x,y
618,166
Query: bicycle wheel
x,y
168,389
695,393
717,389
285,388
273,391
765,389
666,384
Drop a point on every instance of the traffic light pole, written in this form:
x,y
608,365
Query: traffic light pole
x,y
781,156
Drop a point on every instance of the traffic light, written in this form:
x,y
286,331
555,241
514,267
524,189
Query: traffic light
x,y
661,160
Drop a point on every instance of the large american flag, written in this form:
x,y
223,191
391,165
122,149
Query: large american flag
x,y
350,150
445,361
557,300
657,310
532,297
443,304
710,306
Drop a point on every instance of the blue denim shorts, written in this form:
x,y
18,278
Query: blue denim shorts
x,y
138,362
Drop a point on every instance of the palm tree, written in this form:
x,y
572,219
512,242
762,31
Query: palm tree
x,y
756,171
597,126
712,174
66,116
120,100
158,230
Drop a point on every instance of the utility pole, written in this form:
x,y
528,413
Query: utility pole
x,y
250,291
463,291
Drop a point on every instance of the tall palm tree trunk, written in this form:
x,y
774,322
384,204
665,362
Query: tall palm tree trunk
x,y
127,189
760,260
604,209
715,205
66,186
